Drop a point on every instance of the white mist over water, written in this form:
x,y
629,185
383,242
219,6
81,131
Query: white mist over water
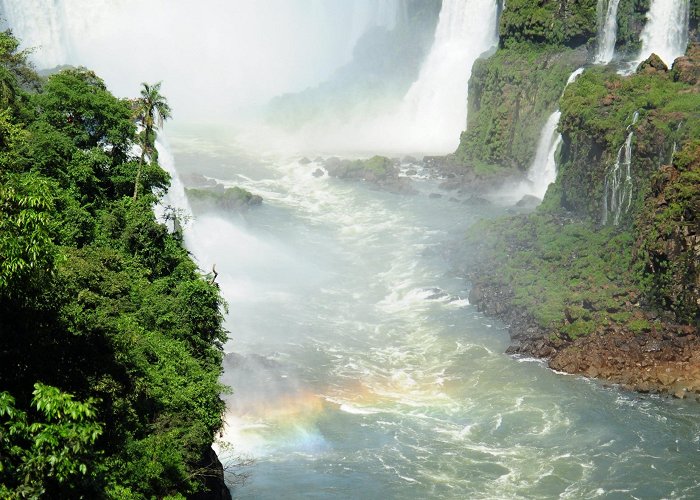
x,y
213,58
383,382
607,32
666,31
363,372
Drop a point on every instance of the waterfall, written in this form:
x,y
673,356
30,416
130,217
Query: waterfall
x,y
607,32
666,31
435,107
618,190
543,170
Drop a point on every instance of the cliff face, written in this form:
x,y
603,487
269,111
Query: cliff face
x,y
511,94
661,199
603,279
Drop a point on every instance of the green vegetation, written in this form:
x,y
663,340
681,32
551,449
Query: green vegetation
x,y
511,95
111,338
570,276
151,111
631,18
551,22
596,112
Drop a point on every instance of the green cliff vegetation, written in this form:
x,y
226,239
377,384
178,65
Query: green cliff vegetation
x,y
110,337
513,91
552,22
575,275
511,95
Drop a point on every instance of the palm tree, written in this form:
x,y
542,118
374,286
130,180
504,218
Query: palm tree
x,y
151,110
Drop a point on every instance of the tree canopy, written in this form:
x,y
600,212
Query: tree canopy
x,y
111,338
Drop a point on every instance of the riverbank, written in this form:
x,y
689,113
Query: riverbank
x,y
665,360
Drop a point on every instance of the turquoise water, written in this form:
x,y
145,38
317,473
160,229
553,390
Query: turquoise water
x,y
363,372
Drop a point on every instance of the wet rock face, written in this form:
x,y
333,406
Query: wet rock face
x,y
686,69
216,488
668,243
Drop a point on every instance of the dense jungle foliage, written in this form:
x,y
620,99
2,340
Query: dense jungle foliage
x,y
110,337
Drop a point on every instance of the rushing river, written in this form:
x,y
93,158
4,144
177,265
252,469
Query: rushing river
x,y
361,370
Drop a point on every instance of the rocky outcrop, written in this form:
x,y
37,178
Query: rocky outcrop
x,y
221,198
377,171
664,360
614,299
668,240
213,472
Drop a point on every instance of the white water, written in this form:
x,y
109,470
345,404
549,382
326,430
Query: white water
x,y
363,372
666,31
543,170
383,388
607,33
175,199
435,107
618,189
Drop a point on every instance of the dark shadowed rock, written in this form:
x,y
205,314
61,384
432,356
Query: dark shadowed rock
x,y
318,173
216,488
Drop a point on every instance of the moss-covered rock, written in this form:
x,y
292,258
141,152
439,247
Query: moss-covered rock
x,y
668,239
234,199
598,298
598,113
631,18
379,171
511,95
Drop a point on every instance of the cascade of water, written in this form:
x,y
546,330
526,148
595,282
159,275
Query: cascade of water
x,y
666,31
607,31
543,171
174,202
618,190
435,105
544,167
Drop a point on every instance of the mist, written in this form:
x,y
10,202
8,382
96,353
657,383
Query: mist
x,y
215,62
